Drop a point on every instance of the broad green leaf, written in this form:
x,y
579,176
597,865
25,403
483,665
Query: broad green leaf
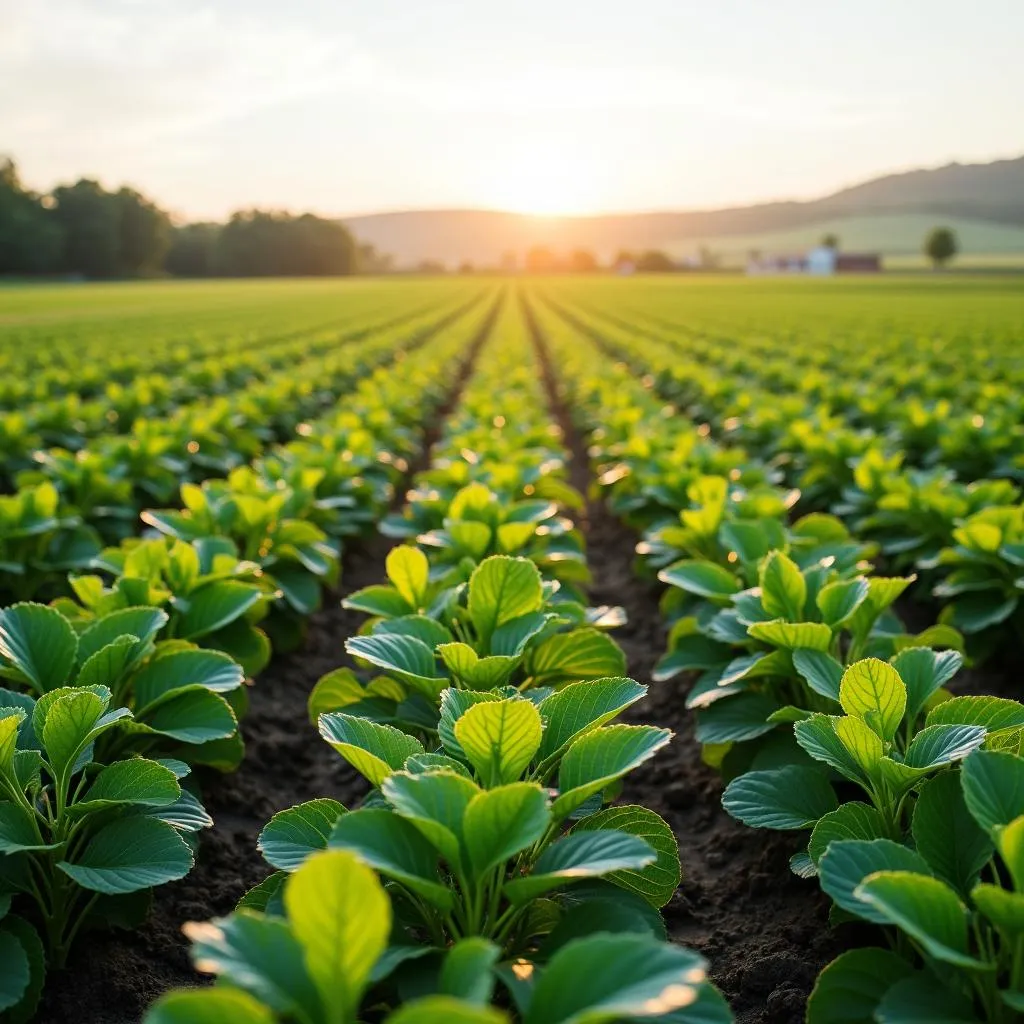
x,y
143,623
946,835
18,832
704,579
993,785
454,704
846,863
500,738
409,572
850,988
861,743
927,909
37,645
34,950
992,713
822,672
791,636
341,915
838,601
216,605
781,798
1010,843
783,588
577,856
191,716
1005,909
737,719
292,835
405,657
436,804
580,654
607,978
378,600
872,691
919,1000
260,955
109,664
166,673
130,854
394,847
72,720
499,823
600,757
15,970
656,882
924,671
817,735
11,719
580,707
467,973
851,820
136,781
501,589
936,745
484,673
373,749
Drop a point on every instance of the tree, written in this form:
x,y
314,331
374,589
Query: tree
x,y
830,241
192,250
89,216
31,239
655,262
582,261
940,246
144,234
541,260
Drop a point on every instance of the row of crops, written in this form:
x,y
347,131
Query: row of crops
x,y
839,543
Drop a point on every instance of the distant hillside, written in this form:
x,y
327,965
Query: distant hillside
x,y
991,193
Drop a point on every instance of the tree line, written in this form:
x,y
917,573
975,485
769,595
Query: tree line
x,y
87,231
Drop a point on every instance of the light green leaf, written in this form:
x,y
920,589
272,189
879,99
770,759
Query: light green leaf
x,y
341,915
584,653
600,757
467,973
872,691
409,571
791,636
373,749
783,588
580,707
500,738
441,1009
501,589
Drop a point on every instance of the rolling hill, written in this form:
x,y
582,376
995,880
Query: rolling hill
x,y
975,196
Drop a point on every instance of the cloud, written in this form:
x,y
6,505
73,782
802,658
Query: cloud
x,y
90,72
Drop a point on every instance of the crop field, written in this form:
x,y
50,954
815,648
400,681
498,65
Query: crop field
x,y
480,650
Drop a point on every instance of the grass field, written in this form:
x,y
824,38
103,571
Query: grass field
x,y
516,633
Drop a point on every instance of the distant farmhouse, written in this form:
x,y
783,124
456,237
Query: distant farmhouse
x,y
821,261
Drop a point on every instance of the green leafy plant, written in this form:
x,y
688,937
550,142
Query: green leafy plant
x,y
77,837
333,951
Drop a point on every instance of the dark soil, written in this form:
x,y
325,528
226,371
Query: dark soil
x,y
764,931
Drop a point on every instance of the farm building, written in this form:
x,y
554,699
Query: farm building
x,y
820,261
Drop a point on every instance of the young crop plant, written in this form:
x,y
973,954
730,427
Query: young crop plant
x,y
81,842
333,954
952,903
894,728
505,627
183,701
208,595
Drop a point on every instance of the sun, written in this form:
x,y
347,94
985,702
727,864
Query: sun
x,y
545,182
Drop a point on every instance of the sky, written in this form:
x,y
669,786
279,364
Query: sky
x,y
540,106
